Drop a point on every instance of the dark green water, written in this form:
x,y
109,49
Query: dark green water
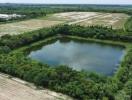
x,y
88,56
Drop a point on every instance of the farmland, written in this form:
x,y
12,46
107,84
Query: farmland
x,y
24,26
116,20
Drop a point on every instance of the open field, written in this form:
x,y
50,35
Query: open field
x,y
24,26
117,20
15,89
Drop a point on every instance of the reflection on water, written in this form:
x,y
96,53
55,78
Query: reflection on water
x,y
89,56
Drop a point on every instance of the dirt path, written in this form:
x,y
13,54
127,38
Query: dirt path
x,y
16,89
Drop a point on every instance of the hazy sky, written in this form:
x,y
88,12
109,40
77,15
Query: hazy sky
x,y
70,1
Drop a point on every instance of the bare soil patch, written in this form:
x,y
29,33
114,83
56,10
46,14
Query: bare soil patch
x,y
16,89
116,20
24,26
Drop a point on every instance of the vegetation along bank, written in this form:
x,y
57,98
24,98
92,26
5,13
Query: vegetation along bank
x,y
78,84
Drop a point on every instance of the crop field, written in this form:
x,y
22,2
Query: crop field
x,y
15,89
24,26
116,20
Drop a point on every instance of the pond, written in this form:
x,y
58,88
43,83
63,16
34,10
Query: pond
x,y
80,55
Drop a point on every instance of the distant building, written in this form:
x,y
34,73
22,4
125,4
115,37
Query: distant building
x,y
10,16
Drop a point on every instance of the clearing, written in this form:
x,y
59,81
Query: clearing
x,y
24,26
16,89
116,20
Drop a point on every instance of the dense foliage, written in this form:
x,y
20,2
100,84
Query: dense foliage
x,y
96,32
81,85
128,25
62,78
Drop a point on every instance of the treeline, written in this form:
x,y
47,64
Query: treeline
x,y
97,32
125,76
17,41
33,11
128,25
49,8
80,85
26,12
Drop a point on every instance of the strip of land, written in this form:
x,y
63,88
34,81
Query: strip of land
x,y
16,89
24,26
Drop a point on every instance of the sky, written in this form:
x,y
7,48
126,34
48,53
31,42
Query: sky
x,y
69,1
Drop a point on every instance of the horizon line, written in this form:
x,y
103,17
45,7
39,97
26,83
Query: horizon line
x,y
65,3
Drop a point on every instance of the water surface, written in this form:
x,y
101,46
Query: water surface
x,y
88,56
